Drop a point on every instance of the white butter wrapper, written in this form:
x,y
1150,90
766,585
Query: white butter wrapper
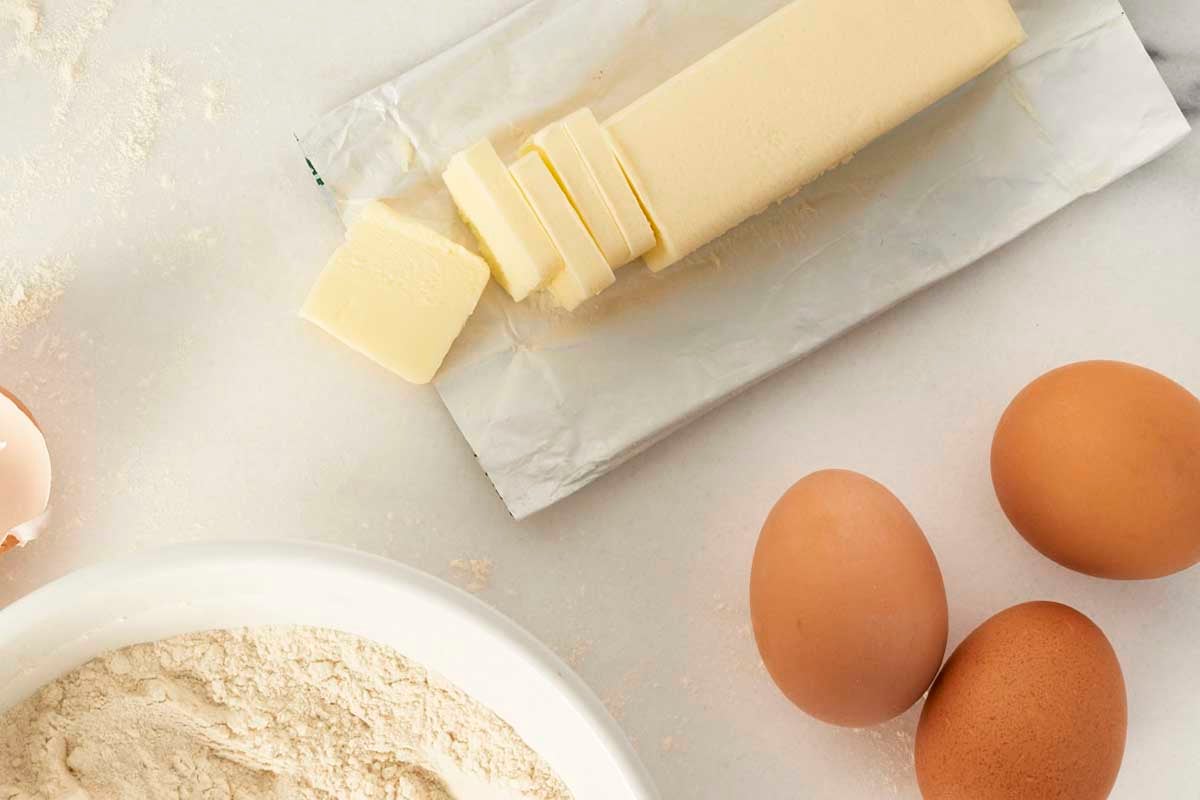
x,y
549,402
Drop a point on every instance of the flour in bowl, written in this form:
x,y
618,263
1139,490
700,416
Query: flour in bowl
x,y
280,713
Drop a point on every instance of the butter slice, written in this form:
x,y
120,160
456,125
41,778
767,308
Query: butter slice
x,y
397,292
794,96
565,161
592,142
585,272
521,255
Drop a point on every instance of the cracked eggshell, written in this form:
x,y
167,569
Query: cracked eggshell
x,y
24,470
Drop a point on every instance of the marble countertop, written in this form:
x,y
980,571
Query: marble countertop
x,y
184,400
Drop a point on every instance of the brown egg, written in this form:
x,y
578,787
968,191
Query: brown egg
x,y
1097,465
847,600
1030,705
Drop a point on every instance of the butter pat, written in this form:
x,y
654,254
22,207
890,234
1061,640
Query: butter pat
x,y
521,255
797,94
585,272
555,145
592,142
397,292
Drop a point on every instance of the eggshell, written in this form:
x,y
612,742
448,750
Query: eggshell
x,y
24,469
1030,705
1097,465
847,600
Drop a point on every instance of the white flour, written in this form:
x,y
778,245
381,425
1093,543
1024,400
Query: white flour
x,y
262,714
27,293
79,155
472,574
59,50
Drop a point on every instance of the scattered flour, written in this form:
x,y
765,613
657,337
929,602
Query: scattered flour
x,y
78,157
672,744
28,292
260,714
891,746
214,100
133,130
60,49
205,236
473,574
617,698
25,18
578,653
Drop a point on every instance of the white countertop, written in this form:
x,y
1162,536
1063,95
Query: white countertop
x,y
184,399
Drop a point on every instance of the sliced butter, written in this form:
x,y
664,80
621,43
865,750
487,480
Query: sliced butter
x,y
585,272
559,150
521,255
397,292
797,94
592,142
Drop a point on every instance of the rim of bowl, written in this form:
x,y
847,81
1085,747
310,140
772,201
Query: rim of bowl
x,y
59,596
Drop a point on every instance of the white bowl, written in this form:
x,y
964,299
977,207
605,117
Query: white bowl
x,y
191,588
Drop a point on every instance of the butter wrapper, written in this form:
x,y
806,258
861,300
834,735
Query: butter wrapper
x,y
549,401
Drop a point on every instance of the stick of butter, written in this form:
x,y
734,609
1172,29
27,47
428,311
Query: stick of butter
x,y
555,145
797,94
585,272
592,142
397,292
522,257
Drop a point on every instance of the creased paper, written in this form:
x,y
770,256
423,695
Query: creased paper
x,y
550,401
